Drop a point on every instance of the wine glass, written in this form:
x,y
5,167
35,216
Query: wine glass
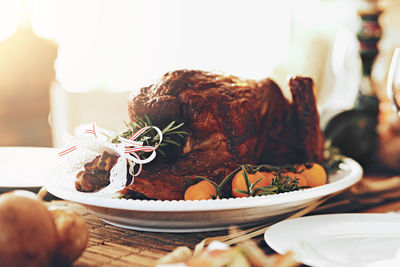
x,y
393,81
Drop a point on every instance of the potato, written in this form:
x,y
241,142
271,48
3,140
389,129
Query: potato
x,y
72,232
22,193
28,234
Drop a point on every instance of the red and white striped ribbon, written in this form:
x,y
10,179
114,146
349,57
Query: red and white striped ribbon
x,y
131,142
132,165
66,151
73,148
141,148
131,147
92,131
136,135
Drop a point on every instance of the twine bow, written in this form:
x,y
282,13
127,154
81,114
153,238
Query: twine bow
x,y
129,150
131,147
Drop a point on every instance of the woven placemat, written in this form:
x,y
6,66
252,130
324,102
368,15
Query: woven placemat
x,y
114,246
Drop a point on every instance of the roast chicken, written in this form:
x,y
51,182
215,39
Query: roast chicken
x,y
230,121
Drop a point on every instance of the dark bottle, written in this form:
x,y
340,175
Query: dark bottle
x,y
354,131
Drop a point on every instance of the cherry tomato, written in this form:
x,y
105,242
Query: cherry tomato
x,y
315,175
201,190
239,183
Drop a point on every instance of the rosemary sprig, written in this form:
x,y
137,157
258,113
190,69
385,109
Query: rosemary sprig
x,y
279,184
172,135
284,183
251,191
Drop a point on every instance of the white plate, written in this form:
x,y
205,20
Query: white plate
x,y
204,215
339,239
25,167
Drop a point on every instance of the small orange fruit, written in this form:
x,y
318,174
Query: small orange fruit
x,y
267,177
239,183
315,175
201,190
301,178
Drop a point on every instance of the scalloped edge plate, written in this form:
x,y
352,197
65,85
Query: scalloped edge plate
x,y
204,215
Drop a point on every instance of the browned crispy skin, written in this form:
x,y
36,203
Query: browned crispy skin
x,y
230,122
294,135
306,119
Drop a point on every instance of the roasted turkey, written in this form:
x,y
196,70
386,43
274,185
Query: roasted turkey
x,y
230,121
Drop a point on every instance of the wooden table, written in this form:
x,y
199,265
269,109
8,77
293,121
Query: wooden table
x,y
113,246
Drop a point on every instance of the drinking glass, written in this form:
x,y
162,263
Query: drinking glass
x,y
393,81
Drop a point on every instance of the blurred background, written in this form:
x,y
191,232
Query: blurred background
x,y
64,63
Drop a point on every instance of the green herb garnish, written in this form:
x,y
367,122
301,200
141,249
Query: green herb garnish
x,y
173,136
285,183
280,184
251,190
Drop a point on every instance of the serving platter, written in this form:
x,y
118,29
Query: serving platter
x,y
345,240
25,167
201,215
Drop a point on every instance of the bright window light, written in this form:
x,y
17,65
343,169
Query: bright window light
x,y
124,45
9,17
